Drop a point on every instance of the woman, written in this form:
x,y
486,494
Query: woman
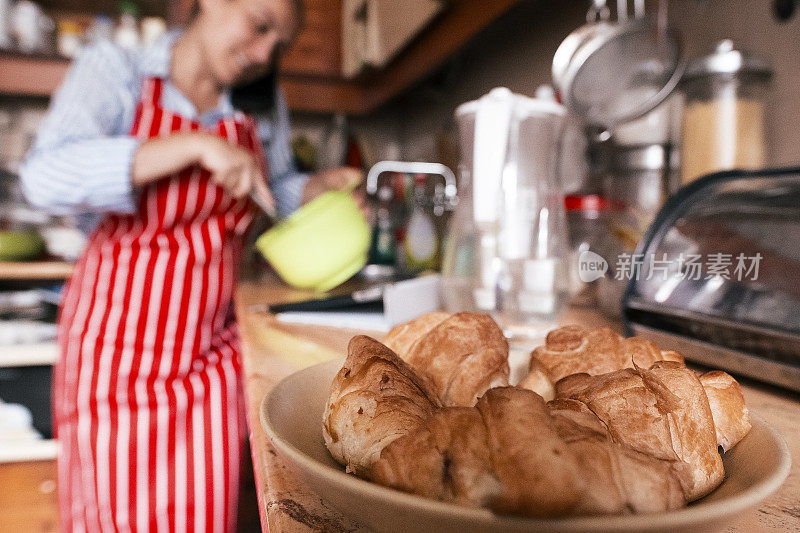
x,y
146,394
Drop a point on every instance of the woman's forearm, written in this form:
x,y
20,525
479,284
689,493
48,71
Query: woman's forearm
x,y
162,156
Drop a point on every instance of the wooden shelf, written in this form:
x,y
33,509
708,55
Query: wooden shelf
x,y
460,22
37,270
31,75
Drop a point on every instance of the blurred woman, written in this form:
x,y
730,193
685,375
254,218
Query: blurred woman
x,y
146,394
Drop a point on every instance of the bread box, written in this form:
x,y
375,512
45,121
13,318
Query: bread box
x,y
717,275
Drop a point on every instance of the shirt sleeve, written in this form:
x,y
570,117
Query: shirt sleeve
x,y
286,182
80,161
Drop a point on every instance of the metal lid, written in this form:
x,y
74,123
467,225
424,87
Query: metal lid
x,y
727,60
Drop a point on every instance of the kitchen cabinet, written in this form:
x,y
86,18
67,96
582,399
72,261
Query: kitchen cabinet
x,y
375,31
28,496
311,71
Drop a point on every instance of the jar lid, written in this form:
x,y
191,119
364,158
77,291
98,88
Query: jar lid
x,y
590,202
727,60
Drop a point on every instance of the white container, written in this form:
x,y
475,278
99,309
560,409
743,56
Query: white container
x,y
507,248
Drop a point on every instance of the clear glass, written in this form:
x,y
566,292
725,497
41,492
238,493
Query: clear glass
x,y
516,267
724,124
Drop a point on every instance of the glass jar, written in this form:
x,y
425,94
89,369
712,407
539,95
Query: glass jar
x,y
723,124
589,219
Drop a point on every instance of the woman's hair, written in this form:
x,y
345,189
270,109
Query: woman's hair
x,y
258,96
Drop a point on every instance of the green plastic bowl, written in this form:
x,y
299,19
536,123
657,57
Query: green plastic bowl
x,y
321,245
20,245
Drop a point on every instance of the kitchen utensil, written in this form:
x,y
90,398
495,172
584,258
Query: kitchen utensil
x,y
507,245
320,245
609,73
376,307
724,123
291,414
717,275
267,209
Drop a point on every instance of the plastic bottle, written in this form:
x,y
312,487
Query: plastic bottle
x,y
421,243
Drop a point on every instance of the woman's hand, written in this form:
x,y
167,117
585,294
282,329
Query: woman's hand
x,y
231,166
234,168
335,179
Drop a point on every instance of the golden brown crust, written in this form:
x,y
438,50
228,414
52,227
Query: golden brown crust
x,y
692,424
445,458
731,416
575,350
538,382
375,398
462,356
539,477
402,337
661,412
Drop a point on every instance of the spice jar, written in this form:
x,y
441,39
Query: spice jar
x,y
723,123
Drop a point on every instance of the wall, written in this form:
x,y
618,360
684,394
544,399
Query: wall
x,y
517,50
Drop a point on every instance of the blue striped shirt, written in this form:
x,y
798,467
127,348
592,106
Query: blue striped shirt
x,y
80,162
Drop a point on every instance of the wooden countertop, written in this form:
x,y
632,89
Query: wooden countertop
x,y
273,350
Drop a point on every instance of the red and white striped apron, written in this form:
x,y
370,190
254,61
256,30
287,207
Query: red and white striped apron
x,y
146,394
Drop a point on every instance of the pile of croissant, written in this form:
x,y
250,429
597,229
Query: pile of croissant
x,y
600,425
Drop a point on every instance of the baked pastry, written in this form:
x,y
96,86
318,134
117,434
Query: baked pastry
x,y
402,337
634,439
445,458
575,350
462,356
375,398
617,479
662,412
517,455
538,381
731,417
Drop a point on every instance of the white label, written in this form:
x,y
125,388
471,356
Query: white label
x,y
540,274
485,298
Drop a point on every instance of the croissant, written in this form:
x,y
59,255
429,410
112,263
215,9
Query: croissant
x,y
463,356
575,350
445,458
731,417
634,431
663,412
402,337
517,455
375,398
